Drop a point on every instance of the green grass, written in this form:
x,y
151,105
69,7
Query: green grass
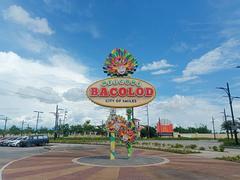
x,y
79,140
230,158
175,138
172,150
229,142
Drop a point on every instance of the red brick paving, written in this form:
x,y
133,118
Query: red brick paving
x,y
58,165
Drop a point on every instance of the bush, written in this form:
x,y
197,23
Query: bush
x,y
202,148
177,146
231,158
191,146
221,148
215,148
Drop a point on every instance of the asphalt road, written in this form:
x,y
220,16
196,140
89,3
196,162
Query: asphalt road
x,y
58,164
8,154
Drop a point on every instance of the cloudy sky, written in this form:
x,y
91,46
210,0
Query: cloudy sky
x,y
51,50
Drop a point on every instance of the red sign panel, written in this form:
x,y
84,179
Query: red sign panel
x,y
164,128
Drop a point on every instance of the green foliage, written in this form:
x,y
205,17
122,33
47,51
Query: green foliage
x,y
177,146
191,146
221,148
215,148
79,140
228,142
144,132
14,130
200,129
231,158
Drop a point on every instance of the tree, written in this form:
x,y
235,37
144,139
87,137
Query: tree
x,y
65,130
87,127
14,130
227,125
201,129
144,132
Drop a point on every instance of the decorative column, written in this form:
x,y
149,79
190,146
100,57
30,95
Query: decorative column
x,y
131,126
112,146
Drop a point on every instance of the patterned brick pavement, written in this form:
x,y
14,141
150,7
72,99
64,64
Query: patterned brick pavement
x,y
57,165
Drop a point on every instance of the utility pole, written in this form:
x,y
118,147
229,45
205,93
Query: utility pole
x,y
38,113
214,133
5,125
56,113
225,120
148,122
65,117
230,98
102,128
22,127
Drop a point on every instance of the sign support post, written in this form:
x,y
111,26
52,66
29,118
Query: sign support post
x,y
112,146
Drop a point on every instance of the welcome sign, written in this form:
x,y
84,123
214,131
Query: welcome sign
x,y
121,92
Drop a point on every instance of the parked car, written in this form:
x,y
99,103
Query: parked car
x,y
8,140
16,142
34,140
2,140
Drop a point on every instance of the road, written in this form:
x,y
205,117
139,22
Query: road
x,y
8,154
58,164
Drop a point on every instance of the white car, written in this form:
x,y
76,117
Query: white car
x,y
16,142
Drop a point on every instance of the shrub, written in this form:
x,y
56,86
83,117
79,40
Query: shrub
x,y
215,148
231,158
221,148
191,146
177,146
202,148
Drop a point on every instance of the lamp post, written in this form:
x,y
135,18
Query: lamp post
x,y
230,98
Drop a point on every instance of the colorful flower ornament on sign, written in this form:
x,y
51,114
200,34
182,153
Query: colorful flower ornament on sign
x,y
124,130
120,63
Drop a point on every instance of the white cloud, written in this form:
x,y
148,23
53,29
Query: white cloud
x,y
223,57
20,16
75,94
31,43
158,67
44,94
162,71
155,65
182,110
26,72
27,85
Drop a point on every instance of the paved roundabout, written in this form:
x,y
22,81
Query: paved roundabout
x,y
121,161
60,163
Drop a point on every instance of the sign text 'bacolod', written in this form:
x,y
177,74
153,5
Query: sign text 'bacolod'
x,y
121,92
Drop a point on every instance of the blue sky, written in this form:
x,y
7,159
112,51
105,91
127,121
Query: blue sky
x,y
184,48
